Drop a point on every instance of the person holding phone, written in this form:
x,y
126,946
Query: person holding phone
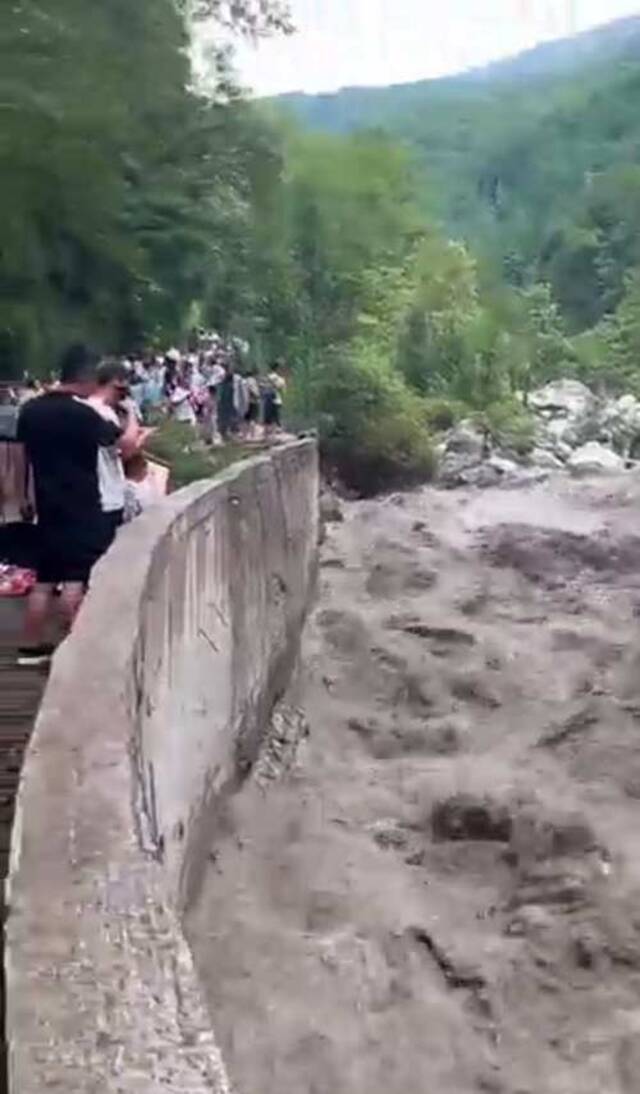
x,y
63,436
112,400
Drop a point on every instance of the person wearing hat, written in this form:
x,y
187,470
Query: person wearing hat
x,y
171,363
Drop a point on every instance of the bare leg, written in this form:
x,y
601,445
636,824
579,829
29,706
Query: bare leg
x,y
37,614
71,598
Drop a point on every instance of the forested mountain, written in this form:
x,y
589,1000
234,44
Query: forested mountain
x,y
534,160
355,107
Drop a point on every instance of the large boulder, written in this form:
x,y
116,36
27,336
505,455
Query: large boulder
x,y
560,435
462,455
458,469
546,460
575,431
563,399
331,511
466,439
495,470
504,465
568,415
595,459
621,420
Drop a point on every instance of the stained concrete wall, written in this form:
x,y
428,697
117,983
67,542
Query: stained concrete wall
x,y
153,710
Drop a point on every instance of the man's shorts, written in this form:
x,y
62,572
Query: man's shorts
x,y
67,552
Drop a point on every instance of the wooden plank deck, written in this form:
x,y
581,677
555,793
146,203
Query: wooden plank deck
x,y
20,694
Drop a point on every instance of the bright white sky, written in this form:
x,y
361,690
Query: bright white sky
x,y
346,42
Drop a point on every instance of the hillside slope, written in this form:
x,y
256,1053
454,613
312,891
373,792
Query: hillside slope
x,y
523,158
354,107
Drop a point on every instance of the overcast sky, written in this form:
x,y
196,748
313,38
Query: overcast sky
x,y
343,42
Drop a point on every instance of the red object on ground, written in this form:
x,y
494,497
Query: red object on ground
x,y
16,581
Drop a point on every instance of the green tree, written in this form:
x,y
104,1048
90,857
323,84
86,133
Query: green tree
x,y
544,351
617,365
121,185
373,427
433,350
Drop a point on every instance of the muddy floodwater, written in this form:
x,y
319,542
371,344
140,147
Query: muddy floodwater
x,y
437,890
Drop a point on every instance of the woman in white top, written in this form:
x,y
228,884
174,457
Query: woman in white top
x,y
110,397
181,404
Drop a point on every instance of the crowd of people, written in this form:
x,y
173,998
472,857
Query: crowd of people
x,y
82,438
210,389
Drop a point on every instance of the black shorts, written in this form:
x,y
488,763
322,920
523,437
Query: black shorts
x,y
112,521
272,411
67,552
253,412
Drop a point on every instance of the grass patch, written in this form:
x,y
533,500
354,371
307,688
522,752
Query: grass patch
x,y
190,460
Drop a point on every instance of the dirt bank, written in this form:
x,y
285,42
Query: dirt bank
x,y
441,892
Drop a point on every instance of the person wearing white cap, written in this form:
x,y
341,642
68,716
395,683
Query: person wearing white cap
x,y
171,363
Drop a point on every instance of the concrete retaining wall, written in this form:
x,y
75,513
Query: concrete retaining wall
x,y
153,709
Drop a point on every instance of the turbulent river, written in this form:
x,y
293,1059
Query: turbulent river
x,y
438,889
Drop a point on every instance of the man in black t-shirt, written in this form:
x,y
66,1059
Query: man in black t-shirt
x,y
62,435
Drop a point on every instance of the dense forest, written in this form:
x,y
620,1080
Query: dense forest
x,y
434,250
533,162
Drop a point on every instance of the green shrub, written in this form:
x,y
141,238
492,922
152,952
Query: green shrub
x,y
372,427
442,414
177,445
604,363
509,425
